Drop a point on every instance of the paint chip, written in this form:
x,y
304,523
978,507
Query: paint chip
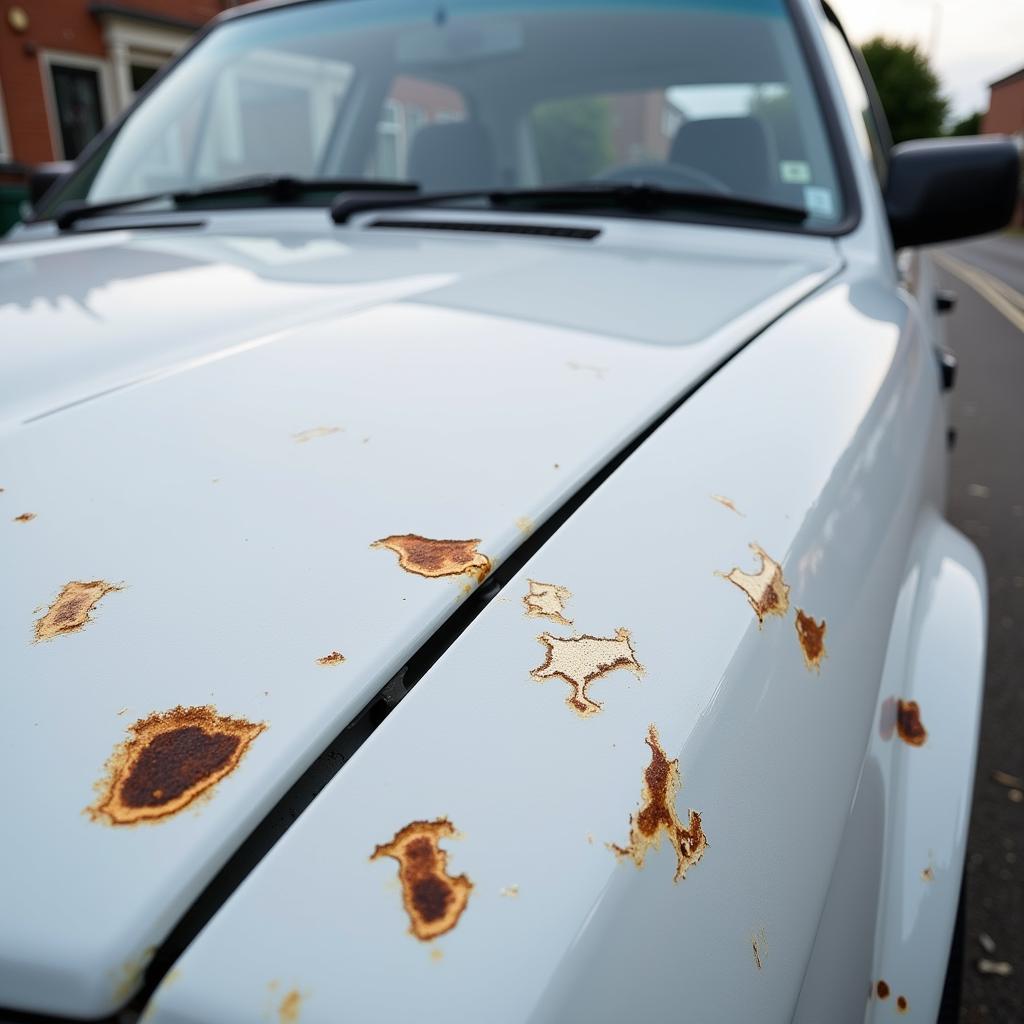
x,y
433,558
759,943
908,723
882,989
928,874
72,608
657,815
727,502
314,432
334,658
579,660
168,761
811,635
25,517
433,899
288,1011
766,590
547,600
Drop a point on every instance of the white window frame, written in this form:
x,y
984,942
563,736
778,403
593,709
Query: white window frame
x,y
130,43
47,59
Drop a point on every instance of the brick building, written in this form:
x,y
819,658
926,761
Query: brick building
x,y
67,67
1005,115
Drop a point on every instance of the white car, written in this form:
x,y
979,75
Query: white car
x,y
473,546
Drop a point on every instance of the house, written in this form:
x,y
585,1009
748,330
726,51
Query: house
x,y
1005,116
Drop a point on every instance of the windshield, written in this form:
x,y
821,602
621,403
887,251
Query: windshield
x,y
705,96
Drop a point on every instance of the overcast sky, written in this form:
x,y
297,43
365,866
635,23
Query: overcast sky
x,y
970,42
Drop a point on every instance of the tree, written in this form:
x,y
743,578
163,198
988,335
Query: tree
x,y
573,138
908,89
970,125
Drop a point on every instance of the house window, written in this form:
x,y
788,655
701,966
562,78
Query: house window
x,y
79,109
140,74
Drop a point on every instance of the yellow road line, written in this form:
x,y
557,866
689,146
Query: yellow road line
x,y
998,293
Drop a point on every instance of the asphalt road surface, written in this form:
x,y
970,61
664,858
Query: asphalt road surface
x,y
986,501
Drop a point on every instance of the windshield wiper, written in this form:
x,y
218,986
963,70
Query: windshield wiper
x,y
584,197
276,188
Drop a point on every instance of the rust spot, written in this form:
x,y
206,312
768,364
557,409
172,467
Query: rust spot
x,y
314,432
169,759
766,590
928,874
25,517
432,558
811,635
547,600
908,723
433,899
657,815
288,1011
727,502
72,607
759,943
334,658
579,660
901,1004
882,989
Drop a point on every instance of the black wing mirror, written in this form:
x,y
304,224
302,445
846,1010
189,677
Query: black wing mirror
x,y
941,189
44,176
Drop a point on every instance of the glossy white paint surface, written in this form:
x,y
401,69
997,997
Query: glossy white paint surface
x,y
825,433
153,387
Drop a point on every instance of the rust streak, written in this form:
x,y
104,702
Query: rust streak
x,y
168,761
433,899
334,658
547,600
657,815
579,660
766,590
25,517
433,558
71,608
811,635
288,1011
908,723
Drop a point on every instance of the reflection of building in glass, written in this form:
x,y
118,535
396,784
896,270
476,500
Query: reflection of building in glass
x,y
1005,116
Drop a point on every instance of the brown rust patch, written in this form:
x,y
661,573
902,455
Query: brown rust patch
x,y
169,760
433,558
908,723
766,590
901,1004
811,635
72,607
25,517
288,1011
882,989
579,660
334,658
657,815
314,432
547,600
433,899
727,502
928,874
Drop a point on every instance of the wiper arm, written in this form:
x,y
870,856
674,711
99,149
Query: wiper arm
x,y
582,197
277,188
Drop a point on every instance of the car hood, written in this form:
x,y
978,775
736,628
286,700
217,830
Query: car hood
x,y
213,444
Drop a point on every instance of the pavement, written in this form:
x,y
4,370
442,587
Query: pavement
x,y
986,501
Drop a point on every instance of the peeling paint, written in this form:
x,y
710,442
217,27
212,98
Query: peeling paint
x,y
314,432
766,590
579,660
657,815
288,1011
547,600
25,517
811,635
908,723
727,502
334,658
168,761
433,558
72,607
433,899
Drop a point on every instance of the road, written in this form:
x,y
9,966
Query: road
x,y
986,501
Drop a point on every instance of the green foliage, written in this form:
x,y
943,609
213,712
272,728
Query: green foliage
x,y
573,138
908,88
970,125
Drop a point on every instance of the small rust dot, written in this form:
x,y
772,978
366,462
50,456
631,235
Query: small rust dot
x,y
334,658
25,517
767,592
908,723
882,988
72,607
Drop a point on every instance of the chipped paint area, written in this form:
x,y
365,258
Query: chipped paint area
x,y
288,1011
433,558
334,658
72,608
759,944
766,590
25,517
727,502
315,432
908,723
168,761
579,660
811,635
433,899
657,815
547,600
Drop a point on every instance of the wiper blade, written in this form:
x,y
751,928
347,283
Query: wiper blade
x,y
277,188
585,196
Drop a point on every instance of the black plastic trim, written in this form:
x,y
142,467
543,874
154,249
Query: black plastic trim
x,y
487,227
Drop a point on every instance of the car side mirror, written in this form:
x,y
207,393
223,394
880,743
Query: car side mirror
x,y
941,189
44,176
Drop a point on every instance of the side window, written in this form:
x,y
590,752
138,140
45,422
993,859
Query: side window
x,y
857,102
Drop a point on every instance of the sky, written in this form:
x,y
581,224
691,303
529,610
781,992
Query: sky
x,y
970,42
